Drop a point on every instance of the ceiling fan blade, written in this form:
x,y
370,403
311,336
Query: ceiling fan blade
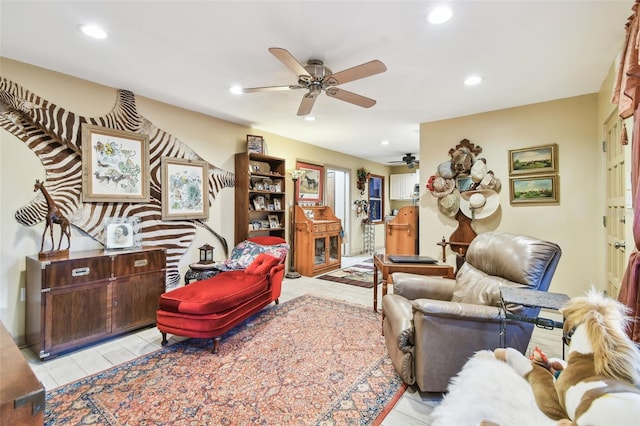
x,y
350,97
355,73
270,89
289,61
307,103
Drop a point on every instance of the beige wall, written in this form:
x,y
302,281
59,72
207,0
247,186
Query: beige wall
x,y
215,140
575,223
282,147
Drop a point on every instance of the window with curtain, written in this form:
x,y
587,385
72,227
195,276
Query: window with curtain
x,y
376,198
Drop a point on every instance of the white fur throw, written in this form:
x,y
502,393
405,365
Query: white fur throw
x,y
488,389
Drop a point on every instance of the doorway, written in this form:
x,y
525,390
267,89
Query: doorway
x,y
338,197
619,209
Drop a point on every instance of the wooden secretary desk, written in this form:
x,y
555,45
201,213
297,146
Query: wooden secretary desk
x,y
318,241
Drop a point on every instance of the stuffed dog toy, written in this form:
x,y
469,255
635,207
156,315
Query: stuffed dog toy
x,y
600,383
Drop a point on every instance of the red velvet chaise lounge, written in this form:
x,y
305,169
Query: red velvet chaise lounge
x,y
211,307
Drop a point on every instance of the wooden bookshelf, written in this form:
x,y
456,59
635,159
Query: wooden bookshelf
x,y
260,196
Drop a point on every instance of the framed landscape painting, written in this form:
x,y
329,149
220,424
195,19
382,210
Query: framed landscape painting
x,y
537,159
185,189
115,165
534,189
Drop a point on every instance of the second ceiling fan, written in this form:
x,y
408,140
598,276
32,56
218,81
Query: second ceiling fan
x,y
317,78
409,159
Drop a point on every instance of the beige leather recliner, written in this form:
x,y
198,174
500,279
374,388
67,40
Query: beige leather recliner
x,y
432,325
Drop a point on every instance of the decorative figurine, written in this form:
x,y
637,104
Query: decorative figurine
x,y
54,216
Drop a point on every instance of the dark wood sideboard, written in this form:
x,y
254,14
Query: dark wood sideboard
x,y
90,296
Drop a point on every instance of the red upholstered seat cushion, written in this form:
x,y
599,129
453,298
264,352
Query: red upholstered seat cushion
x,y
262,264
217,294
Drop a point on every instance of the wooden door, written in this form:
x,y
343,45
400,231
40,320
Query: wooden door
x,y
135,300
139,280
616,192
75,315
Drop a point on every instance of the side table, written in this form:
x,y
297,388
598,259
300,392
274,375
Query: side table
x,y
200,271
530,298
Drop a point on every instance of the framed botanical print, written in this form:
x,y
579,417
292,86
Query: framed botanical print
x,y
185,189
115,165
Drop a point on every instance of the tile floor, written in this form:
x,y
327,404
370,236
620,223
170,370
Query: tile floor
x,y
412,409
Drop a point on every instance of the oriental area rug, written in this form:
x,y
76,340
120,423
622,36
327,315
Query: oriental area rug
x,y
359,275
308,361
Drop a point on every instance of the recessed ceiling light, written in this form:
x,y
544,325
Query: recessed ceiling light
x,y
472,80
384,143
309,118
93,31
236,90
440,15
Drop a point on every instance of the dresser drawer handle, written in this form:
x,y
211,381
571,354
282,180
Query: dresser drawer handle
x,y
140,262
79,272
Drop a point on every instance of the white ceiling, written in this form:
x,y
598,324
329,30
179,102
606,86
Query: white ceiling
x,y
188,53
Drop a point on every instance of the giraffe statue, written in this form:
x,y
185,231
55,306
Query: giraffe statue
x,y
54,216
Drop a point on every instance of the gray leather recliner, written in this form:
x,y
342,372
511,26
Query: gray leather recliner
x,y
432,325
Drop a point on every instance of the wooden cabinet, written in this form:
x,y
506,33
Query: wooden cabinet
x,y
260,196
318,240
21,394
401,232
402,186
91,295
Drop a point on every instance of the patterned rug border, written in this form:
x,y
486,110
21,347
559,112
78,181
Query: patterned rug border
x,y
344,280
384,400
387,409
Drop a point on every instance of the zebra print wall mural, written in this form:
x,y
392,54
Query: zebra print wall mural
x,y
54,136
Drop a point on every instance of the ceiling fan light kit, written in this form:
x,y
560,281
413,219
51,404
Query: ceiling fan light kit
x,y
317,78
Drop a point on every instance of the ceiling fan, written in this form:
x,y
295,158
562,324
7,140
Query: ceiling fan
x,y
409,159
317,78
